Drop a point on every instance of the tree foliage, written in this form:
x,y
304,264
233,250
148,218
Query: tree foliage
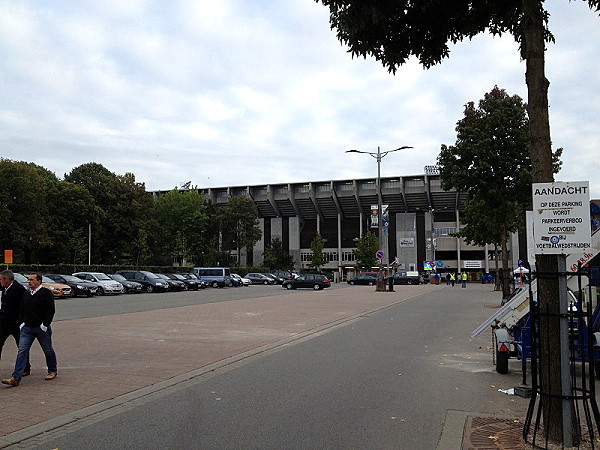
x,y
239,225
72,211
276,257
365,251
40,215
490,156
46,220
490,162
318,257
125,227
183,220
24,211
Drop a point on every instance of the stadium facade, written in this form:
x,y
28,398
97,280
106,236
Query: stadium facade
x,y
422,219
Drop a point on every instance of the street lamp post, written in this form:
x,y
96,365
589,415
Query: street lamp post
x,y
378,157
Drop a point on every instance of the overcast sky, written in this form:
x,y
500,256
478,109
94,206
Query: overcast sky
x,y
237,92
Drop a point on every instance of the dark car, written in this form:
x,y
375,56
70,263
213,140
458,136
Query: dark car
x,y
190,276
315,282
78,286
275,278
408,278
241,280
189,284
259,278
174,285
366,278
149,280
131,287
284,274
234,281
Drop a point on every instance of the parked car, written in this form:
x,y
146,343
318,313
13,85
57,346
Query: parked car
x,y
367,278
259,278
233,281
278,280
214,276
285,274
59,290
242,280
313,281
77,285
131,287
174,284
189,283
407,278
22,279
150,281
190,276
106,285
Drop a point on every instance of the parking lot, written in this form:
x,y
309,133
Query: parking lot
x,y
77,308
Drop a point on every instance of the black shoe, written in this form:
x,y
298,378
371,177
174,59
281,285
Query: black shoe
x,y
26,373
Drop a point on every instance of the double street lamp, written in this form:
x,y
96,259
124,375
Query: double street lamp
x,y
379,156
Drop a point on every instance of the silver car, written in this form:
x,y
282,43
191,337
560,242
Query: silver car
x,y
106,285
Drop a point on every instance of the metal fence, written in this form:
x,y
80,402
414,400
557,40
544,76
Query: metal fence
x,y
576,405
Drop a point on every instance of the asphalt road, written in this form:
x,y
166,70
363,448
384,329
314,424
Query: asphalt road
x,y
383,381
81,307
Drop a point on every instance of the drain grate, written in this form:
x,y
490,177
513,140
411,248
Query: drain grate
x,y
493,433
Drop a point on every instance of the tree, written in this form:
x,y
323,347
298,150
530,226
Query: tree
x,y
73,210
365,251
276,257
393,31
209,254
489,162
24,212
318,258
182,219
239,225
126,227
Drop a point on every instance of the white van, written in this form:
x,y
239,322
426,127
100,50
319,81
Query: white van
x,y
214,276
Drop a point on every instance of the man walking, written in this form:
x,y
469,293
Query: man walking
x,y
37,313
10,307
464,279
452,278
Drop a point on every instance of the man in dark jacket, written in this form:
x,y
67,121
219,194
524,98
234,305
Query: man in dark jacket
x,y
36,316
10,307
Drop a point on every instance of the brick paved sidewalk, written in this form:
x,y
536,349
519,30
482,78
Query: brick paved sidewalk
x,y
106,357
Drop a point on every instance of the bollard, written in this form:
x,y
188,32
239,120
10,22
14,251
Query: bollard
x,y
380,285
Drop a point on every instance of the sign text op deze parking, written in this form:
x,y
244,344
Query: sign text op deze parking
x,y
561,217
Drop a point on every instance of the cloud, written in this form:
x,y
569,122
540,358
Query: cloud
x,y
234,93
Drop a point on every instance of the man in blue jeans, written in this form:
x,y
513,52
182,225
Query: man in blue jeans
x,y
10,309
36,316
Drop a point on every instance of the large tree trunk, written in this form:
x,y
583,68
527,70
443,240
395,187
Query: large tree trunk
x,y
541,162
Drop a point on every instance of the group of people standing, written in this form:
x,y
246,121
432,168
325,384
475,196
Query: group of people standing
x,y
26,314
451,278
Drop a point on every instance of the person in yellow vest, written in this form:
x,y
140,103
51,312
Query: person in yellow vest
x,y
452,279
463,277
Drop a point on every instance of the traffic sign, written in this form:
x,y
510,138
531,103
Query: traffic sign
x,y
379,254
561,217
